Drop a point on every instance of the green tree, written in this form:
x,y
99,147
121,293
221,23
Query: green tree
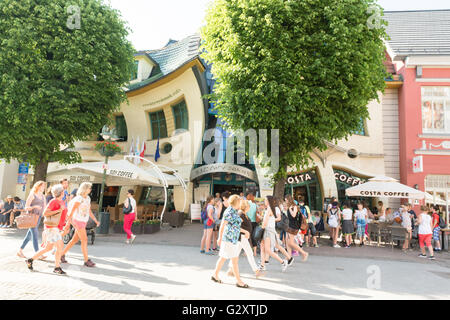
x,y
308,68
63,65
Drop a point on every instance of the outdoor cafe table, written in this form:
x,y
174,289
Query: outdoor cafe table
x,y
388,231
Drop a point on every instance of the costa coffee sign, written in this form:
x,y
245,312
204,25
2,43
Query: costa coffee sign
x,y
391,194
352,181
300,178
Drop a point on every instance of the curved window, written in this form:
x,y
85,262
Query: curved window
x,y
180,115
158,125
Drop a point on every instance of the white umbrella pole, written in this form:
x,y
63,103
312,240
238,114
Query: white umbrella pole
x,y
161,176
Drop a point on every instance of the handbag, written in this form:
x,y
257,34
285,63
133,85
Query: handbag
x,y
53,220
128,210
283,224
258,233
27,220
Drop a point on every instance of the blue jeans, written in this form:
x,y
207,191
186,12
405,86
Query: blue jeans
x,y
32,234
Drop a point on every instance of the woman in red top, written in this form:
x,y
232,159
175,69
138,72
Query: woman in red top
x,y
436,228
55,218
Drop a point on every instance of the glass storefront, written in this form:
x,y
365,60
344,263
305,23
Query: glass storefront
x,y
346,180
305,186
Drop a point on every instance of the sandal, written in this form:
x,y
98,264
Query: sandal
x,y
245,286
89,263
63,259
216,280
29,263
21,255
59,271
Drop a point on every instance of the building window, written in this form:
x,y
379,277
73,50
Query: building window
x,y
436,109
158,125
134,73
121,128
361,131
181,116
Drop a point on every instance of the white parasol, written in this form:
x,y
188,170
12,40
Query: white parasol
x,y
384,187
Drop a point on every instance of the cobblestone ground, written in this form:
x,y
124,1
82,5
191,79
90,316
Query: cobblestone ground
x,y
161,268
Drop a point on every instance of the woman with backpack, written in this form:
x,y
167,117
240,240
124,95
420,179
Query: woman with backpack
x,y
208,225
294,227
334,218
270,237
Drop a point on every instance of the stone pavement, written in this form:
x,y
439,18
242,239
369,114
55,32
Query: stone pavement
x,y
168,265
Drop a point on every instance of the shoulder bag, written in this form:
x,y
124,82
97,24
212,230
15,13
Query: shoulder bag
x,y
129,209
27,220
53,220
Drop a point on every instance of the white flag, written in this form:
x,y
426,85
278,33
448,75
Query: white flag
x,y
136,152
131,148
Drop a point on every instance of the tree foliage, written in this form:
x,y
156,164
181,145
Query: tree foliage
x,y
308,68
58,82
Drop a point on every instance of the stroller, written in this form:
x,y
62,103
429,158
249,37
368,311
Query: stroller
x,y
90,231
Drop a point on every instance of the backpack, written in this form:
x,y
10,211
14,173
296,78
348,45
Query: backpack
x,y
283,224
204,215
302,217
442,223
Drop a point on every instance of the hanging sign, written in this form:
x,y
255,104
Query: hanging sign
x,y
417,164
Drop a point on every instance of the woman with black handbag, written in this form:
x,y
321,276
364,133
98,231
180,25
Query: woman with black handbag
x,y
129,215
293,229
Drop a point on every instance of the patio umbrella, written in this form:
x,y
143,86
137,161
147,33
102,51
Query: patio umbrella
x,y
119,173
384,187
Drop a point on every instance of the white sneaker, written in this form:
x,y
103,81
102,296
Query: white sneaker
x,y
262,268
132,238
127,242
284,266
336,246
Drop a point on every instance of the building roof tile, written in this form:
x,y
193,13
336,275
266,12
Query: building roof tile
x,y
424,32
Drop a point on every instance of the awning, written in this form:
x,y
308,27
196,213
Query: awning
x,y
118,173
384,187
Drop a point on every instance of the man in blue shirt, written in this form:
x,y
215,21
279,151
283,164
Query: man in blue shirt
x,y
66,197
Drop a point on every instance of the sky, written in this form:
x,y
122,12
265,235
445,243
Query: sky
x,y
154,22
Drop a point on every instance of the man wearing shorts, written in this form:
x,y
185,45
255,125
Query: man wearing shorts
x,y
19,207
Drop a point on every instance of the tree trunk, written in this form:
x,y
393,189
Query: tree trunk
x,y
40,171
278,190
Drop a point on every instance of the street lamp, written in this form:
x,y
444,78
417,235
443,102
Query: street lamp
x,y
108,135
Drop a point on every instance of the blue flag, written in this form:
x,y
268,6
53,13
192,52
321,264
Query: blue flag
x,y
157,152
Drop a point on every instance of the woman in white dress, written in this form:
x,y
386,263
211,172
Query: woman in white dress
x,y
334,218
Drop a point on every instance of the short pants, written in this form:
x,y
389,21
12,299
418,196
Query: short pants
x,y
436,234
78,225
425,239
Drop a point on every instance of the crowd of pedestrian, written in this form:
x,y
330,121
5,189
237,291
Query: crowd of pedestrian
x,y
268,228
353,224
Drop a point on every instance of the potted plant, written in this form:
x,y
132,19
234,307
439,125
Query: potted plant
x,y
136,227
107,148
152,226
118,227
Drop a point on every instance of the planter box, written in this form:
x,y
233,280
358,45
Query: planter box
x,y
174,219
136,229
118,228
151,228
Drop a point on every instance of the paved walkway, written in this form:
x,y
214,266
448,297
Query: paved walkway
x,y
167,265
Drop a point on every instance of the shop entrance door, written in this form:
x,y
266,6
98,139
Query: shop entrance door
x,y
301,193
233,189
